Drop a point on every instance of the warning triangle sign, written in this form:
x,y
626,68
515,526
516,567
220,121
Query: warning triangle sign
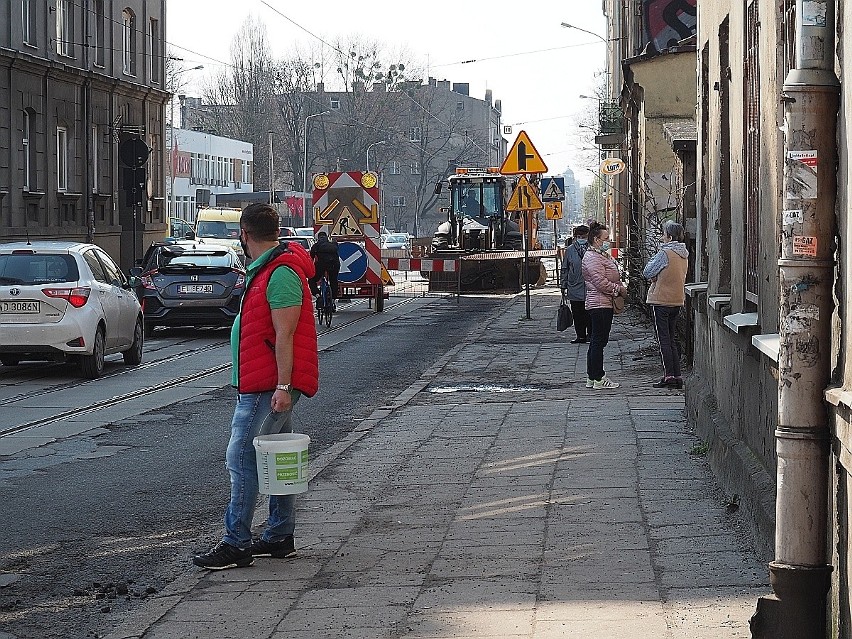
x,y
346,224
524,197
523,158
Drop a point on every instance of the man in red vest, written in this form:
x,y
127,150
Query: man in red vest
x,y
274,348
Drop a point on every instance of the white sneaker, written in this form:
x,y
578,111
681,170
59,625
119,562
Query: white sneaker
x,y
604,383
590,383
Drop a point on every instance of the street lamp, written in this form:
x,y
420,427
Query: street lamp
x,y
305,168
172,138
602,39
370,146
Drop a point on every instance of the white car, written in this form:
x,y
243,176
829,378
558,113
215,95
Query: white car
x,y
396,241
61,300
305,231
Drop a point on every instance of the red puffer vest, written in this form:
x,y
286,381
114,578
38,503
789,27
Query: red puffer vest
x,y
258,371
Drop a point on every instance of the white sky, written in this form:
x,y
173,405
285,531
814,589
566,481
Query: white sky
x,y
536,67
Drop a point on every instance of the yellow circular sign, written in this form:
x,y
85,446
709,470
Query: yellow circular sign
x,y
321,181
369,180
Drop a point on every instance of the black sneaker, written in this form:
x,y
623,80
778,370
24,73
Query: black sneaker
x,y
278,549
224,556
578,340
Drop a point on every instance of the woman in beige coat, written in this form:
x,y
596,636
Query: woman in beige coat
x,y
667,273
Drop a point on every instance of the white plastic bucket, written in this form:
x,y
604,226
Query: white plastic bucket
x,y
282,463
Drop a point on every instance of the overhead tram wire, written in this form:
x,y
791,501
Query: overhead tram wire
x,y
310,33
512,55
142,33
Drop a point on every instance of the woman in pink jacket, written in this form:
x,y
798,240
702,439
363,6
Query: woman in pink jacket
x,y
602,284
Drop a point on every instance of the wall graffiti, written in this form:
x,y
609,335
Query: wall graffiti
x,y
668,21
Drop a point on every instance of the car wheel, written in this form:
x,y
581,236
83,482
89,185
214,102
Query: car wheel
x,y
133,355
10,360
93,365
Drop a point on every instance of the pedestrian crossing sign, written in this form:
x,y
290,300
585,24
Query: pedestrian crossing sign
x,y
552,189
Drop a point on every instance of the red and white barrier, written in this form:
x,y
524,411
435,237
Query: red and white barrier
x,y
423,265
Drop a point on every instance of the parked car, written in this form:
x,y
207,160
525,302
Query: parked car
x,y
180,229
305,231
189,284
286,231
396,241
306,242
62,300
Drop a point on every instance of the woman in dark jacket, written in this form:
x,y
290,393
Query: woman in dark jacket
x,y
573,286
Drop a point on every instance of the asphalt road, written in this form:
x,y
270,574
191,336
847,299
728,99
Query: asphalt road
x,y
97,524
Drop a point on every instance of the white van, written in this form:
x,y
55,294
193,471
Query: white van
x,y
219,226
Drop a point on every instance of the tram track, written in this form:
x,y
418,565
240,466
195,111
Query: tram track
x,y
149,390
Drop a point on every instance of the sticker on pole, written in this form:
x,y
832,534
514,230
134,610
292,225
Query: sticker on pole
x,y
804,245
612,166
801,173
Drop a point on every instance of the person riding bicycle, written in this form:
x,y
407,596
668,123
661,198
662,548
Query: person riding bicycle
x,y
326,261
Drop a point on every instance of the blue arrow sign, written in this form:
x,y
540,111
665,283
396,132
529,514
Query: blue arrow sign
x,y
353,262
552,189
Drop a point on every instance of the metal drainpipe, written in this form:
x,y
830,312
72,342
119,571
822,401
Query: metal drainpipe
x,y
800,575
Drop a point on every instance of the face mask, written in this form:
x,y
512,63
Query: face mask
x,y
245,249
581,241
605,246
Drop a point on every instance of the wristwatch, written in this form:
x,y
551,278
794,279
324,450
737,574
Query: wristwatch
x,y
284,387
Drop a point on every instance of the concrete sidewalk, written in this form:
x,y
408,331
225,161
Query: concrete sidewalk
x,y
498,497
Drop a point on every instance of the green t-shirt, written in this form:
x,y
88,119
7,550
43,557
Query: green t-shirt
x,y
284,290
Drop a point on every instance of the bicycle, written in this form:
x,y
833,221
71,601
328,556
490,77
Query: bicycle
x,y
325,302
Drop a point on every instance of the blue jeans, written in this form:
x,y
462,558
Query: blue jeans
x,y
600,324
253,416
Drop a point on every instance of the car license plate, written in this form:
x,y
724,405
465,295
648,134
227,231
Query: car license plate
x,y
20,307
195,288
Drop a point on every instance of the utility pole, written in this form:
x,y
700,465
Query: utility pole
x,y
800,574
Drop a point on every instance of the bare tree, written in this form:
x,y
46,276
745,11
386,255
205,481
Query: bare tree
x,y
439,131
241,99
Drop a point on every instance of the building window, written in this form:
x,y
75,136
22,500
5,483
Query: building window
x,y
154,50
61,158
64,28
95,154
415,168
414,134
398,200
393,167
28,21
459,106
752,153
129,41
100,32
334,103
29,151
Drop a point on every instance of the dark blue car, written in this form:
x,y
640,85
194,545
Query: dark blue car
x,y
189,284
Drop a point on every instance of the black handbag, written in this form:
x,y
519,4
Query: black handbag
x,y
564,316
